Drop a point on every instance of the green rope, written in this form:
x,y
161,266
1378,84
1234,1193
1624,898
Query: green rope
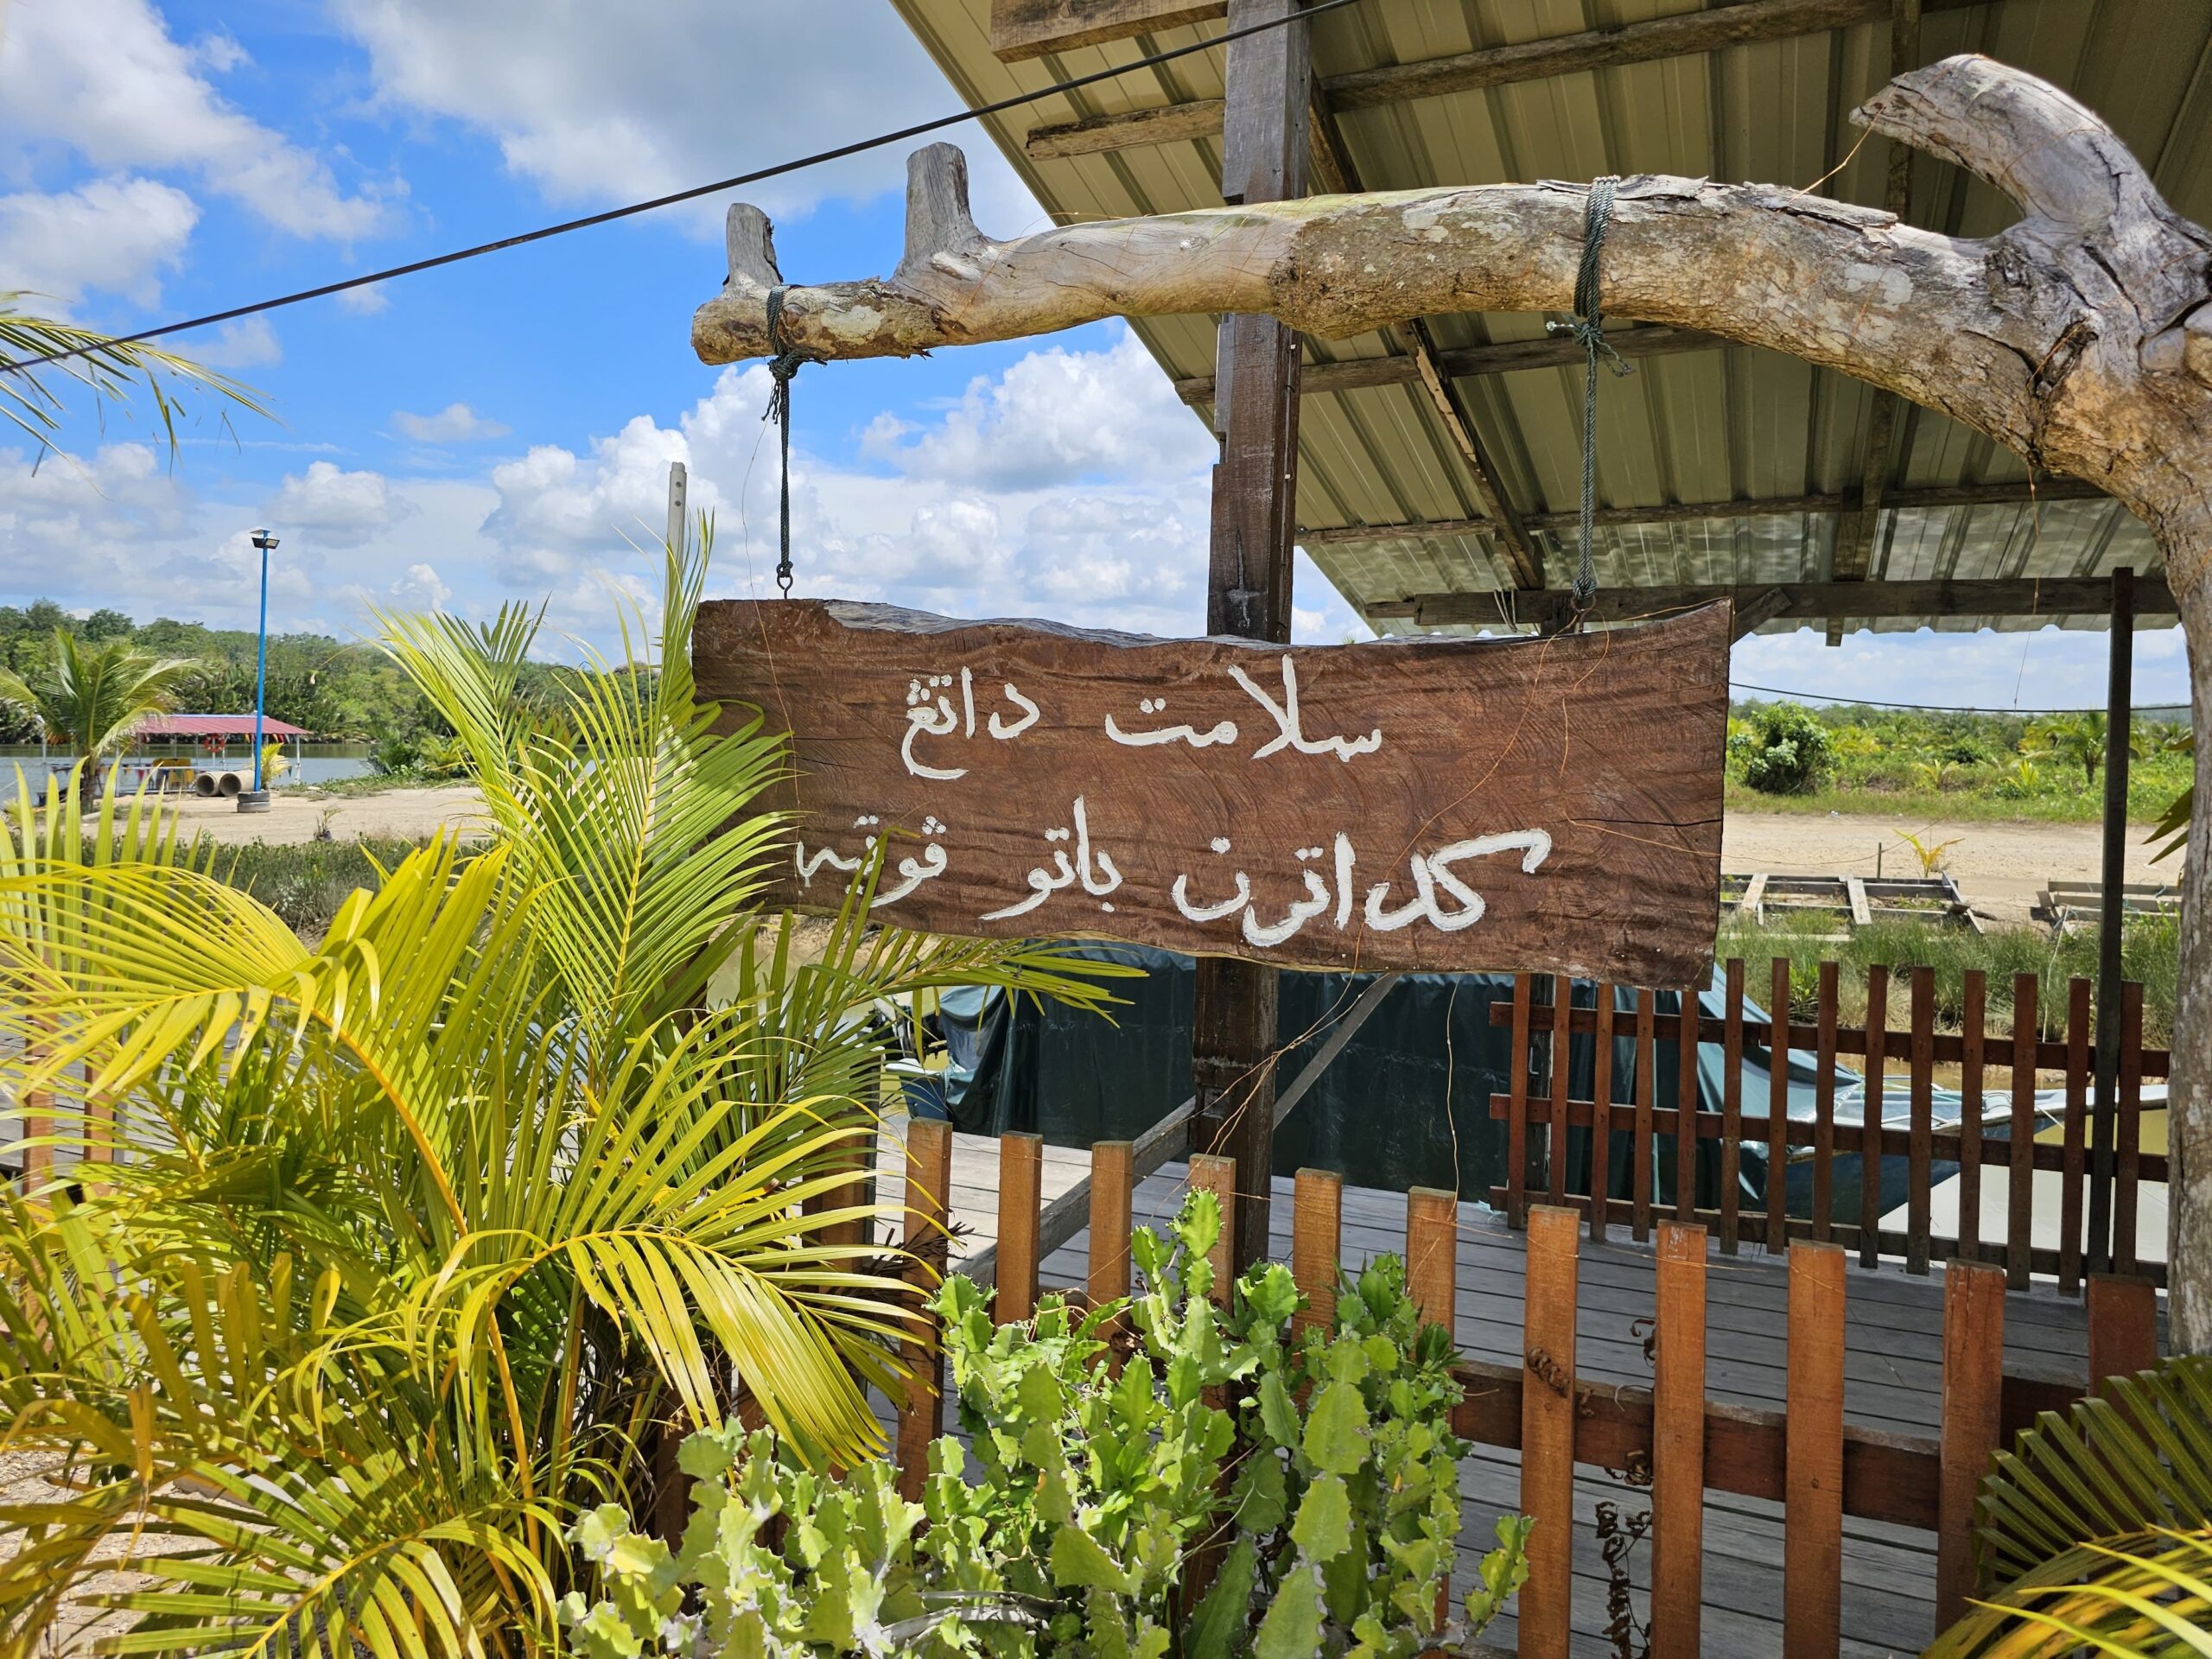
x,y
783,368
1588,328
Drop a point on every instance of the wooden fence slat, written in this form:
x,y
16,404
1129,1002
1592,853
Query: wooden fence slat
x,y
1686,1102
1022,1198
1601,1138
1678,1444
1517,1129
1731,1105
1972,1422
1211,1173
1812,1535
1824,1107
1647,1082
1432,1254
2125,1163
1113,1189
1870,1126
1555,1138
1920,1161
1974,1017
929,1201
2123,1326
1316,1245
2020,1179
1547,1432
2073,1189
1778,1108
37,1122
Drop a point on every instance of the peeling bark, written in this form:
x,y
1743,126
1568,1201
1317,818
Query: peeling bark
x,y
2081,338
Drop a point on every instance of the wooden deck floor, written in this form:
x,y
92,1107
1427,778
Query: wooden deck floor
x,y
1893,1375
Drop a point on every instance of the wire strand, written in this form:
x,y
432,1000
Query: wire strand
x,y
608,216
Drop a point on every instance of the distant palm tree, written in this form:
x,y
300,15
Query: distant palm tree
x,y
2078,739
94,697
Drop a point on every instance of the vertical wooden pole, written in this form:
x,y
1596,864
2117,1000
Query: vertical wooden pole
x,y
1870,1128
1113,1187
1731,1105
1972,1422
1812,1527
1021,1173
1316,1246
2126,1166
1555,1138
1678,1445
1647,1083
1824,1110
1547,1432
1432,1255
1516,1125
2020,1171
2073,1199
1686,1104
1972,1017
929,1207
37,1122
1920,1161
1601,1117
2123,1326
1266,92
1218,1175
2119,716
1778,1107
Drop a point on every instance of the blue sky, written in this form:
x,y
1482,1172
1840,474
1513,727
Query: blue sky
x,y
497,430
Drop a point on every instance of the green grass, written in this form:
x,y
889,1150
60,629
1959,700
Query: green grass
x,y
305,882
2150,952
1909,806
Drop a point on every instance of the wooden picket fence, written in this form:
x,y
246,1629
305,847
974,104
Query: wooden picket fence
x,y
1806,1458
1539,1102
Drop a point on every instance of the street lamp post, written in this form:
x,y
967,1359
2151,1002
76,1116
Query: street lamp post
x,y
257,799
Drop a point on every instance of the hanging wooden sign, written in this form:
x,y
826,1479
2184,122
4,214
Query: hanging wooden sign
x,y
1509,804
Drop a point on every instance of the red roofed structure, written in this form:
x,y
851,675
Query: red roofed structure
x,y
239,727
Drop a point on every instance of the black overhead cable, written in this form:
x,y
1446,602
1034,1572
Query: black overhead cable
x,y
857,147
1836,701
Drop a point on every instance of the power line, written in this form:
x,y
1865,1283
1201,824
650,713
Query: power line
x,y
1933,708
588,220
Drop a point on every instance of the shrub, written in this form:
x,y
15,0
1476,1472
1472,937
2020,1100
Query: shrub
x,y
1789,752
1325,1482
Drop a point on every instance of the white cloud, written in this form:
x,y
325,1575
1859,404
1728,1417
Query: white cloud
x,y
106,78
335,508
589,104
366,302
2048,668
454,423
248,343
116,234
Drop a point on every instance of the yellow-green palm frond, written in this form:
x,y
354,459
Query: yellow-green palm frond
x,y
2138,1594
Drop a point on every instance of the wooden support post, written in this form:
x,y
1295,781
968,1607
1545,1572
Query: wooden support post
x,y
1678,1445
1268,79
1113,1186
1218,1175
2127,1155
1974,1388
1316,1246
2123,1327
35,1123
2075,1146
1778,1108
2120,693
1812,1528
929,1207
1021,1173
1547,1431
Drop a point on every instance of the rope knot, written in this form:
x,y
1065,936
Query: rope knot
x,y
1588,329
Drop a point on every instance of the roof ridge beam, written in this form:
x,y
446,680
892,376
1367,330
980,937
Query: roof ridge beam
x,y
2049,597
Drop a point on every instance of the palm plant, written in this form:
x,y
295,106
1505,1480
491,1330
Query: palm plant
x,y
93,697
2094,1531
2075,740
395,1250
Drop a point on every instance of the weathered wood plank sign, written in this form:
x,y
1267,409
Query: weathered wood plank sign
x,y
1513,804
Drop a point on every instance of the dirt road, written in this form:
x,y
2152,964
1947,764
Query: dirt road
x,y
294,815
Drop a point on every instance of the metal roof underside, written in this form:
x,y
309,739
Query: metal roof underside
x,y
1723,423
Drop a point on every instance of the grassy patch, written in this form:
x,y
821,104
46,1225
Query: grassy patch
x,y
305,882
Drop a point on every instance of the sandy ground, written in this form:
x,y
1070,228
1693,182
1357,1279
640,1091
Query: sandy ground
x,y
294,815
2000,867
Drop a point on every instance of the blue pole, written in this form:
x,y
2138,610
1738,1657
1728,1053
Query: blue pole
x,y
261,671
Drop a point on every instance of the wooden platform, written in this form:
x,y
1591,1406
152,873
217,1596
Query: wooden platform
x,y
1892,1381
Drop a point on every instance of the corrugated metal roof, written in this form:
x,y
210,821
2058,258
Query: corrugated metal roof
x,y
1720,424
